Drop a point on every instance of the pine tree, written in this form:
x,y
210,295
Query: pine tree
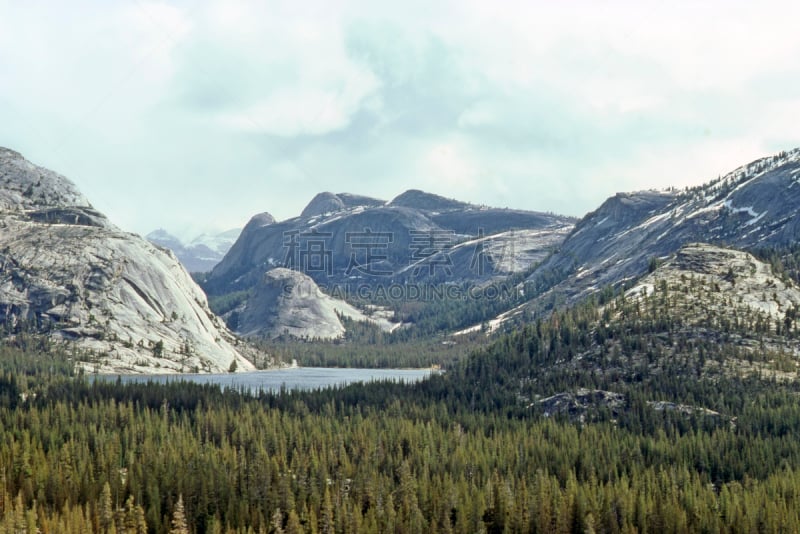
x,y
105,510
179,524
277,522
326,519
133,518
293,525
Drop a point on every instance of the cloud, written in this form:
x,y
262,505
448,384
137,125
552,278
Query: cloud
x,y
264,71
423,83
289,113
199,114
447,165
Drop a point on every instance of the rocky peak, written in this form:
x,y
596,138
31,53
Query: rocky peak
x,y
259,220
351,201
322,203
627,207
7,153
420,200
328,203
745,173
24,186
711,280
288,302
755,205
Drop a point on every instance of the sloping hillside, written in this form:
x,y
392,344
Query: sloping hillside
x,y
68,273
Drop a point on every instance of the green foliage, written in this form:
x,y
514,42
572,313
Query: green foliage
x,y
466,451
365,345
785,261
222,304
372,458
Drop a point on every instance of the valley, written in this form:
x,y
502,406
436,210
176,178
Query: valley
x,y
371,267
660,328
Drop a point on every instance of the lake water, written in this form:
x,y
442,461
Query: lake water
x,y
294,378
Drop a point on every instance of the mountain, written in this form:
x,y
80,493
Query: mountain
x,y
756,205
418,237
706,323
288,302
202,253
67,273
374,251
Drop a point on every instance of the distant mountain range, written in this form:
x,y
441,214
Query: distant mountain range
x,y
361,245
420,237
202,253
352,241
66,272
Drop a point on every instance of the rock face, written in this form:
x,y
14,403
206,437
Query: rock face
x,y
586,404
327,202
708,295
323,203
576,405
67,272
736,283
288,302
420,200
755,205
26,187
202,253
347,239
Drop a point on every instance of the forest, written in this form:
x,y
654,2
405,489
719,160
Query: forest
x,y
705,438
83,456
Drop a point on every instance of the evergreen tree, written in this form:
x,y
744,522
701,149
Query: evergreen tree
x,y
179,524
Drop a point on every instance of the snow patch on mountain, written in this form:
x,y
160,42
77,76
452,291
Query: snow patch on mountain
x,y
202,253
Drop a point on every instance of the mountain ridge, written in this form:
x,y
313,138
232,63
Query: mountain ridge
x,y
756,204
397,230
366,245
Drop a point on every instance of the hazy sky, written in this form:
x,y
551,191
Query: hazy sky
x,y
194,116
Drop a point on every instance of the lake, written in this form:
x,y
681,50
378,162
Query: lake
x,y
294,378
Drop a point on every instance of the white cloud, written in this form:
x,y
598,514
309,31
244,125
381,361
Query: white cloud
x,y
152,32
301,111
446,165
284,70
233,107
478,114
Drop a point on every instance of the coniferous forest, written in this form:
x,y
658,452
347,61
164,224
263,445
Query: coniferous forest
x,y
469,451
478,449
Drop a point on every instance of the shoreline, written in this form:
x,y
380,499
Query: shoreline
x,y
432,369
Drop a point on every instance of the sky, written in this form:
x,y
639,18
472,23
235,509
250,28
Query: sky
x,y
194,116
